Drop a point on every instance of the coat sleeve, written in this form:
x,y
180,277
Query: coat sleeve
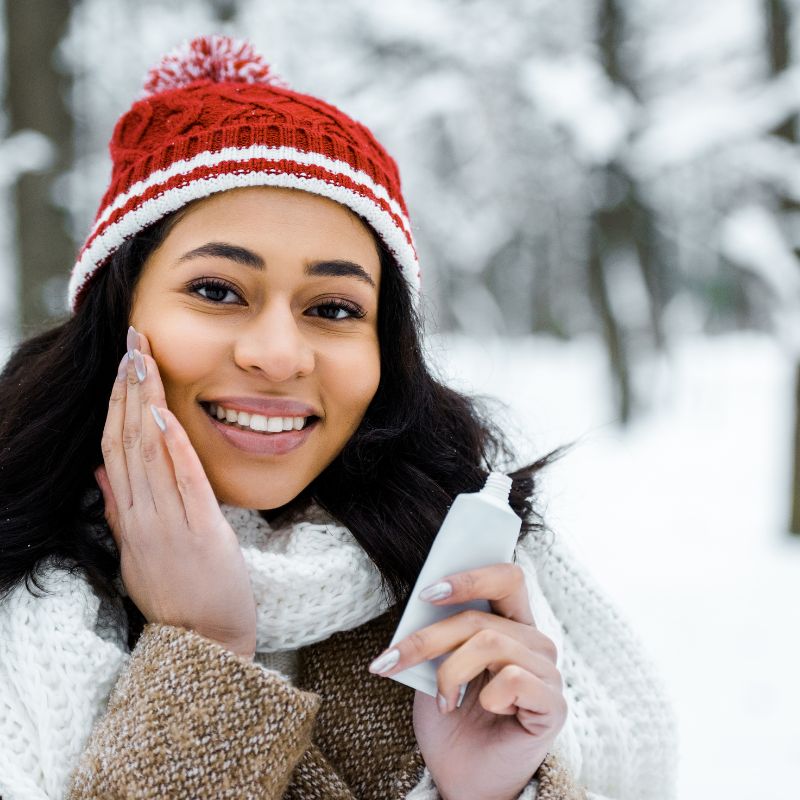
x,y
187,715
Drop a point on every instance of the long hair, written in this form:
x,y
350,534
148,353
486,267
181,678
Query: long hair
x,y
419,444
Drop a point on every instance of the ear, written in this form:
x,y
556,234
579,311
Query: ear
x,y
101,476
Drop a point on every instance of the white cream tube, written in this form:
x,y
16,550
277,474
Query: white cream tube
x,y
479,529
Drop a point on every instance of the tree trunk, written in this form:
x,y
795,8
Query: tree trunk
x,y
37,100
778,22
622,224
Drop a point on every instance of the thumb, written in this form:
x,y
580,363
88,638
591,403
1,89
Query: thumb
x,y
101,476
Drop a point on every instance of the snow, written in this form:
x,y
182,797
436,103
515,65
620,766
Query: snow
x,y
683,519
576,95
751,236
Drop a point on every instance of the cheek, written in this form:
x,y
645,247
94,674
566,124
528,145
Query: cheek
x,y
353,381
183,363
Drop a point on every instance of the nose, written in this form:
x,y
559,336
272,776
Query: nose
x,y
273,344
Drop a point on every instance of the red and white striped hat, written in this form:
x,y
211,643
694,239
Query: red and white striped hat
x,y
213,117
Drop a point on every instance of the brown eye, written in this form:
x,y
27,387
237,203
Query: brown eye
x,y
216,290
335,306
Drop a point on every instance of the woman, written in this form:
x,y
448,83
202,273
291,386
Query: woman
x,y
274,459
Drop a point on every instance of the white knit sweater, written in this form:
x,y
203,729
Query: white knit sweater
x,y
61,654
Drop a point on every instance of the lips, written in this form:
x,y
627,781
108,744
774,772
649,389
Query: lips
x,y
262,443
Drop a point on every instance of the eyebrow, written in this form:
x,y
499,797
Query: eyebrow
x,y
241,255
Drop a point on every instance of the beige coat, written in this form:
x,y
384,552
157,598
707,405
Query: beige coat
x,y
189,719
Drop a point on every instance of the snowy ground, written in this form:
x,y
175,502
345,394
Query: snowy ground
x,y
683,519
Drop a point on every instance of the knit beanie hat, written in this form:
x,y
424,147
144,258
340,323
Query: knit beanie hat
x,y
212,117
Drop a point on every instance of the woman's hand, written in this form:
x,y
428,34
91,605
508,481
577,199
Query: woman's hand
x,y
180,559
490,746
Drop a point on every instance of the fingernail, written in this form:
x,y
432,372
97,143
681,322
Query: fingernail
x,y
122,369
437,591
462,691
158,418
442,702
138,363
132,341
385,662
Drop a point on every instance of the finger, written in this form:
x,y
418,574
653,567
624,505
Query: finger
x,y
136,340
503,585
448,634
199,502
141,494
492,651
111,444
156,458
514,690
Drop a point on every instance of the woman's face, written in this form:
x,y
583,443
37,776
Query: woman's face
x,y
233,305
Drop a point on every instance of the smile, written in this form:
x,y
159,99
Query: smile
x,y
256,433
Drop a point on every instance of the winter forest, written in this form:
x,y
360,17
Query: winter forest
x,y
605,195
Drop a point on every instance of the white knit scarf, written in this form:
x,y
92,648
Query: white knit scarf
x,y
310,579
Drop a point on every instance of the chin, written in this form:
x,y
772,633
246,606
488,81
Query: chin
x,y
257,498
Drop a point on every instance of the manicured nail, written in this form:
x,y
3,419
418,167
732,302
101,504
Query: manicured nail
x,y
158,418
462,687
385,662
442,702
437,591
122,369
132,341
138,363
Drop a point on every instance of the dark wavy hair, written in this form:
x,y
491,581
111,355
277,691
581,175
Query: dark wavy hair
x,y
419,444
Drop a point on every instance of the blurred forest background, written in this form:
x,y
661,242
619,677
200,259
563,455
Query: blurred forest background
x,y
605,196
629,168
626,168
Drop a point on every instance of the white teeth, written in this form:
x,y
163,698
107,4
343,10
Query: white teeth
x,y
256,422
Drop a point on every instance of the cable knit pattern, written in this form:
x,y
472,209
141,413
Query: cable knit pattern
x,y
297,577
621,738
237,730
60,656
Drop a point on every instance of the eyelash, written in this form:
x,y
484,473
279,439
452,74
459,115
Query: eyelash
x,y
220,285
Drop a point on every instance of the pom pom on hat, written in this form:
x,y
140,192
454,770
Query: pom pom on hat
x,y
216,58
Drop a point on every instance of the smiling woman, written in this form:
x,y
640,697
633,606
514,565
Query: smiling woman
x,y
222,476
257,288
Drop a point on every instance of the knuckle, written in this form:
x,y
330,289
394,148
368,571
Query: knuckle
x,y
514,675
473,618
130,437
516,575
467,584
548,647
489,639
417,642
150,450
108,445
